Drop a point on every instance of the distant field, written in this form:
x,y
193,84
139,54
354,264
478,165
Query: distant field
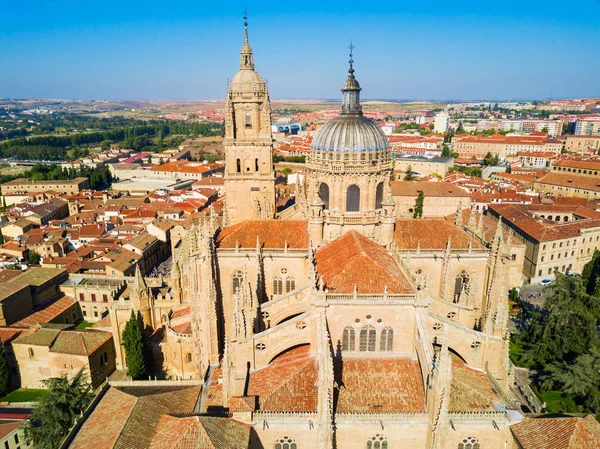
x,y
12,170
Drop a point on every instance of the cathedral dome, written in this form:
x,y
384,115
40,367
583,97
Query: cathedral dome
x,y
350,133
247,81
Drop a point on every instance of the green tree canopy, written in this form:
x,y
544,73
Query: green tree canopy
x,y
5,375
56,412
133,342
34,258
418,209
409,175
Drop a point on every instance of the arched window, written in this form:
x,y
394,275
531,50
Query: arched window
x,y
386,340
353,199
290,284
31,354
239,166
367,339
379,195
238,278
377,442
469,443
286,443
324,194
256,164
461,283
188,357
248,120
277,285
348,337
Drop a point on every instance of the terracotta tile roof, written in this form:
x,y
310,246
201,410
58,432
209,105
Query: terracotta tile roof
x,y
471,390
128,417
6,428
242,404
8,334
557,432
288,384
589,164
431,233
181,313
384,385
571,181
356,260
271,234
521,216
46,312
84,342
183,166
103,323
195,432
183,328
412,188
10,288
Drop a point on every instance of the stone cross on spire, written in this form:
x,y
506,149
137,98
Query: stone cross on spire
x,y
245,25
351,47
246,61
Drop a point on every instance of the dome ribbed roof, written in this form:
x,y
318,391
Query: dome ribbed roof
x,y
350,133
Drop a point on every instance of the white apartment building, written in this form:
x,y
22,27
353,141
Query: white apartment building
x,y
441,122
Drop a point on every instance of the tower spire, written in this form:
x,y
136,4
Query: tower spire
x,y
246,60
351,89
246,26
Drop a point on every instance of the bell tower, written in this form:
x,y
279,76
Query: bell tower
x,y
248,143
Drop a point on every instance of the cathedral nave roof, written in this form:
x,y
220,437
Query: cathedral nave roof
x,y
353,259
270,233
431,233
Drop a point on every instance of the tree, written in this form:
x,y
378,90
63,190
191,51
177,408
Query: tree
x,y
490,160
445,151
460,129
133,342
409,175
56,412
286,171
4,372
418,209
34,258
1,238
105,145
545,129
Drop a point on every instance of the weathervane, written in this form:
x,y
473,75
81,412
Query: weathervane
x,y
245,17
351,47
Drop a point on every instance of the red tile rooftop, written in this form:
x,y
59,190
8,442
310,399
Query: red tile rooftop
x,y
354,260
431,233
270,233
380,385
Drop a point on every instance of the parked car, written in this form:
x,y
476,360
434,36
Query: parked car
x,y
545,282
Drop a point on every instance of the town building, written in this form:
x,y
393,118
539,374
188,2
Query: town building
x,y
504,146
558,238
440,198
573,177
441,123
423,166
589,126
23,185
582,143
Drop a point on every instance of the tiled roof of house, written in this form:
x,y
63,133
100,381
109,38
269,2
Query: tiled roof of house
x,y
83,342
384,385
46,312
557,432
589,164
7,427
471,390
431,233
128,417
288,384
412,188
38,276
206,432
354,260
571,181
541,229
271,234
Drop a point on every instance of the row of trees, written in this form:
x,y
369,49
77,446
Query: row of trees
x,y
561,339
100,178
136,137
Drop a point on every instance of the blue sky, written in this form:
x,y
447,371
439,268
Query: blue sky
x,y
181,49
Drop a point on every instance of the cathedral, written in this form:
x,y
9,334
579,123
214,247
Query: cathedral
x,y
335,324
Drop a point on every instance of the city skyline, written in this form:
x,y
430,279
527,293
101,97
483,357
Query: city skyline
x,y
128,52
